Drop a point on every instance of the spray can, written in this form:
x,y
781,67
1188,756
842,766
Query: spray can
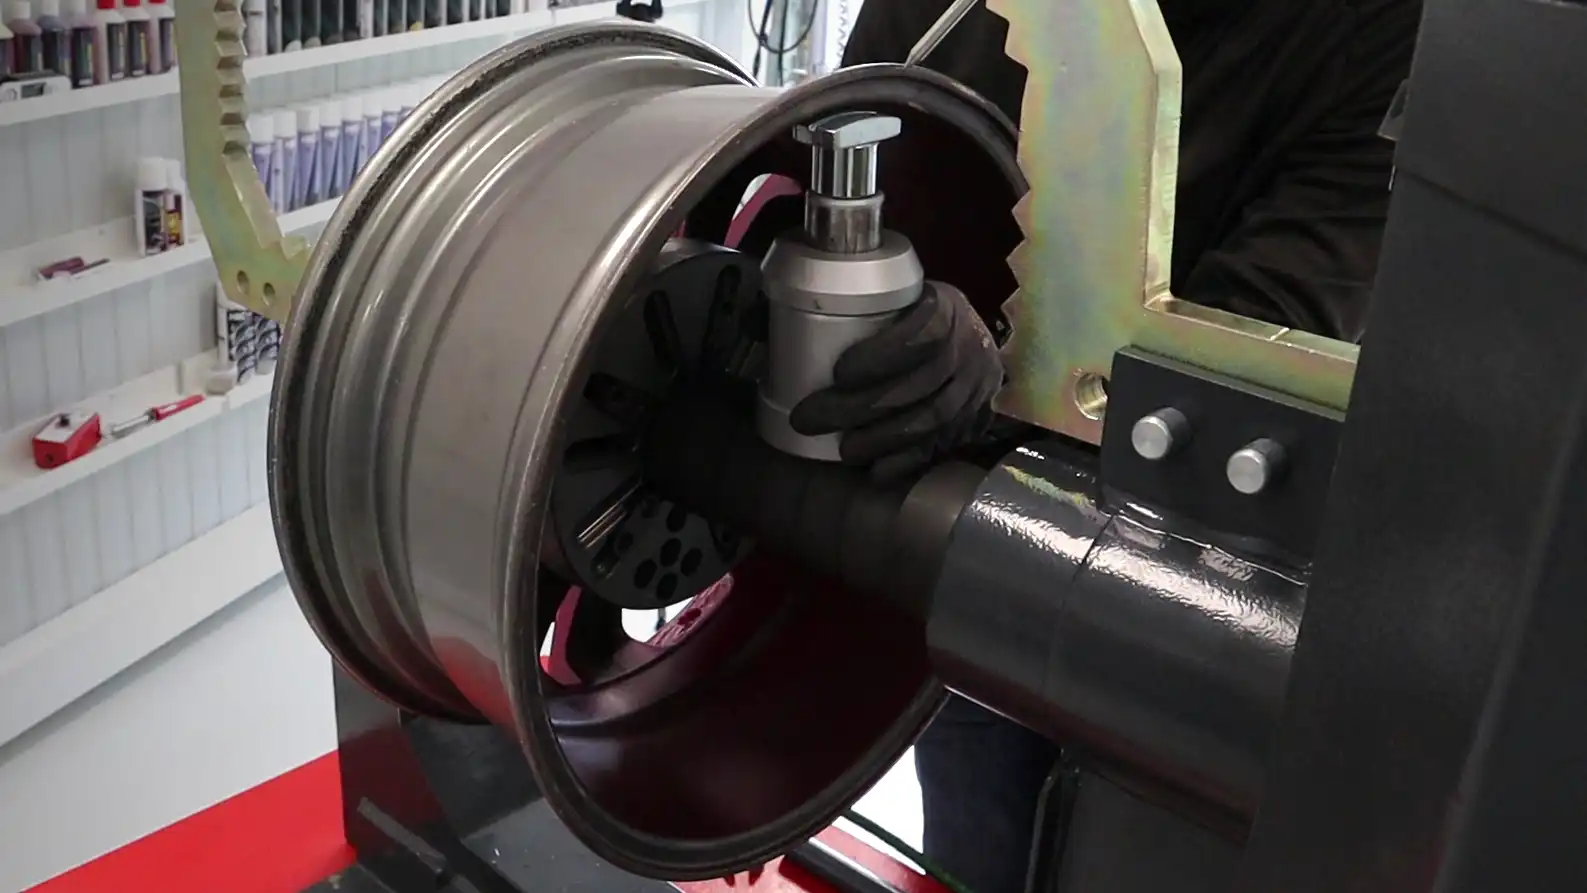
x,y
284,160
110,43
163,35
256,30
27,38
56,39
329,156
261,143
352,116
305,190
138,26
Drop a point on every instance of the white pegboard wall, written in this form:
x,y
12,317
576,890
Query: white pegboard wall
x,y
52,361
57,552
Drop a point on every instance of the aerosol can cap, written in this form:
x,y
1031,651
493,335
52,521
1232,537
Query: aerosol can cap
x,y
262,127
151,174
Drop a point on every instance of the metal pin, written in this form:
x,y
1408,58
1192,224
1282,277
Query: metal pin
x,y
1159,433
939,31
1254,467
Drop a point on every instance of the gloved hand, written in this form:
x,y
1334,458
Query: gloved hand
x,y
913,391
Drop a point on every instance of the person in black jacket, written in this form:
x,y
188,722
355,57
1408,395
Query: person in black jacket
x,y
1283,192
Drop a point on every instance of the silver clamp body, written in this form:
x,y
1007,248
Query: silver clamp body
x,y
838,282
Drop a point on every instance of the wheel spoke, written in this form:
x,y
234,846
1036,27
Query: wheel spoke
x,y
662,328
599,453
618,400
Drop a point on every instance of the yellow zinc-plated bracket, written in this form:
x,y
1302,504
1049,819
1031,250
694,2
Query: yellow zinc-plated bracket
x,y
259,267
1100,148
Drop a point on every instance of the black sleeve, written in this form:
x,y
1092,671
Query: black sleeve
x,y
1305,252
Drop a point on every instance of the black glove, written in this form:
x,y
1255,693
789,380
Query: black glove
x,y
913,391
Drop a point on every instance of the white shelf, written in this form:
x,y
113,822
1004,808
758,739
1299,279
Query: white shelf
x,y
502,26
87,98
23,482
71,655
23,296
158,85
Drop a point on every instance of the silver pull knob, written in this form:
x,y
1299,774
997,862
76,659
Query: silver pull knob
x,y
1254,467
843,151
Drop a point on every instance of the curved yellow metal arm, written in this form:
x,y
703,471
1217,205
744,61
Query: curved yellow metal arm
x,y
259,267
1100,147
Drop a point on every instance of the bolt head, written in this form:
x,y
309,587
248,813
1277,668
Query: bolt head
x,y
1157,434
1254,467
848,130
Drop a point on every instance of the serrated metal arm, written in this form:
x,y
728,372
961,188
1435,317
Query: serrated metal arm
x,y
258,267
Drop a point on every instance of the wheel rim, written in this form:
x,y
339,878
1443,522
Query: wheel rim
x,y
449,320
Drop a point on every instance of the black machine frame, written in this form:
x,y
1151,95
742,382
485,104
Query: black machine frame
x,y
1437,703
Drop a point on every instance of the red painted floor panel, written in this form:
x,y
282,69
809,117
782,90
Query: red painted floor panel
x,y
279,837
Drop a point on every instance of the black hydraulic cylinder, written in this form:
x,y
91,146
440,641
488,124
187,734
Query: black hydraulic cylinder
x,y
1093,622
1097,624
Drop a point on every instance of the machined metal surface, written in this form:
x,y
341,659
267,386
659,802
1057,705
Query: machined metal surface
x,y
820,303
1100,143
469,290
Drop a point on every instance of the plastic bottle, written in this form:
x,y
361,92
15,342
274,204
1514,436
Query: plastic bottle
x,y
27,38
110,43
410,98
261,142
256,38
310,26
138,26
291,25
150,206
80,33
5,49
162,36
273,26
352,114
330,21
284,160
390,112
396,16
367,25
55,38
175,204
373,110
306,190
329,155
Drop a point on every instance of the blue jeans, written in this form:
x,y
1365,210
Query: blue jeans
x,y
980,778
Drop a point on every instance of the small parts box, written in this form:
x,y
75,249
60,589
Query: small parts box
x,y
68,436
